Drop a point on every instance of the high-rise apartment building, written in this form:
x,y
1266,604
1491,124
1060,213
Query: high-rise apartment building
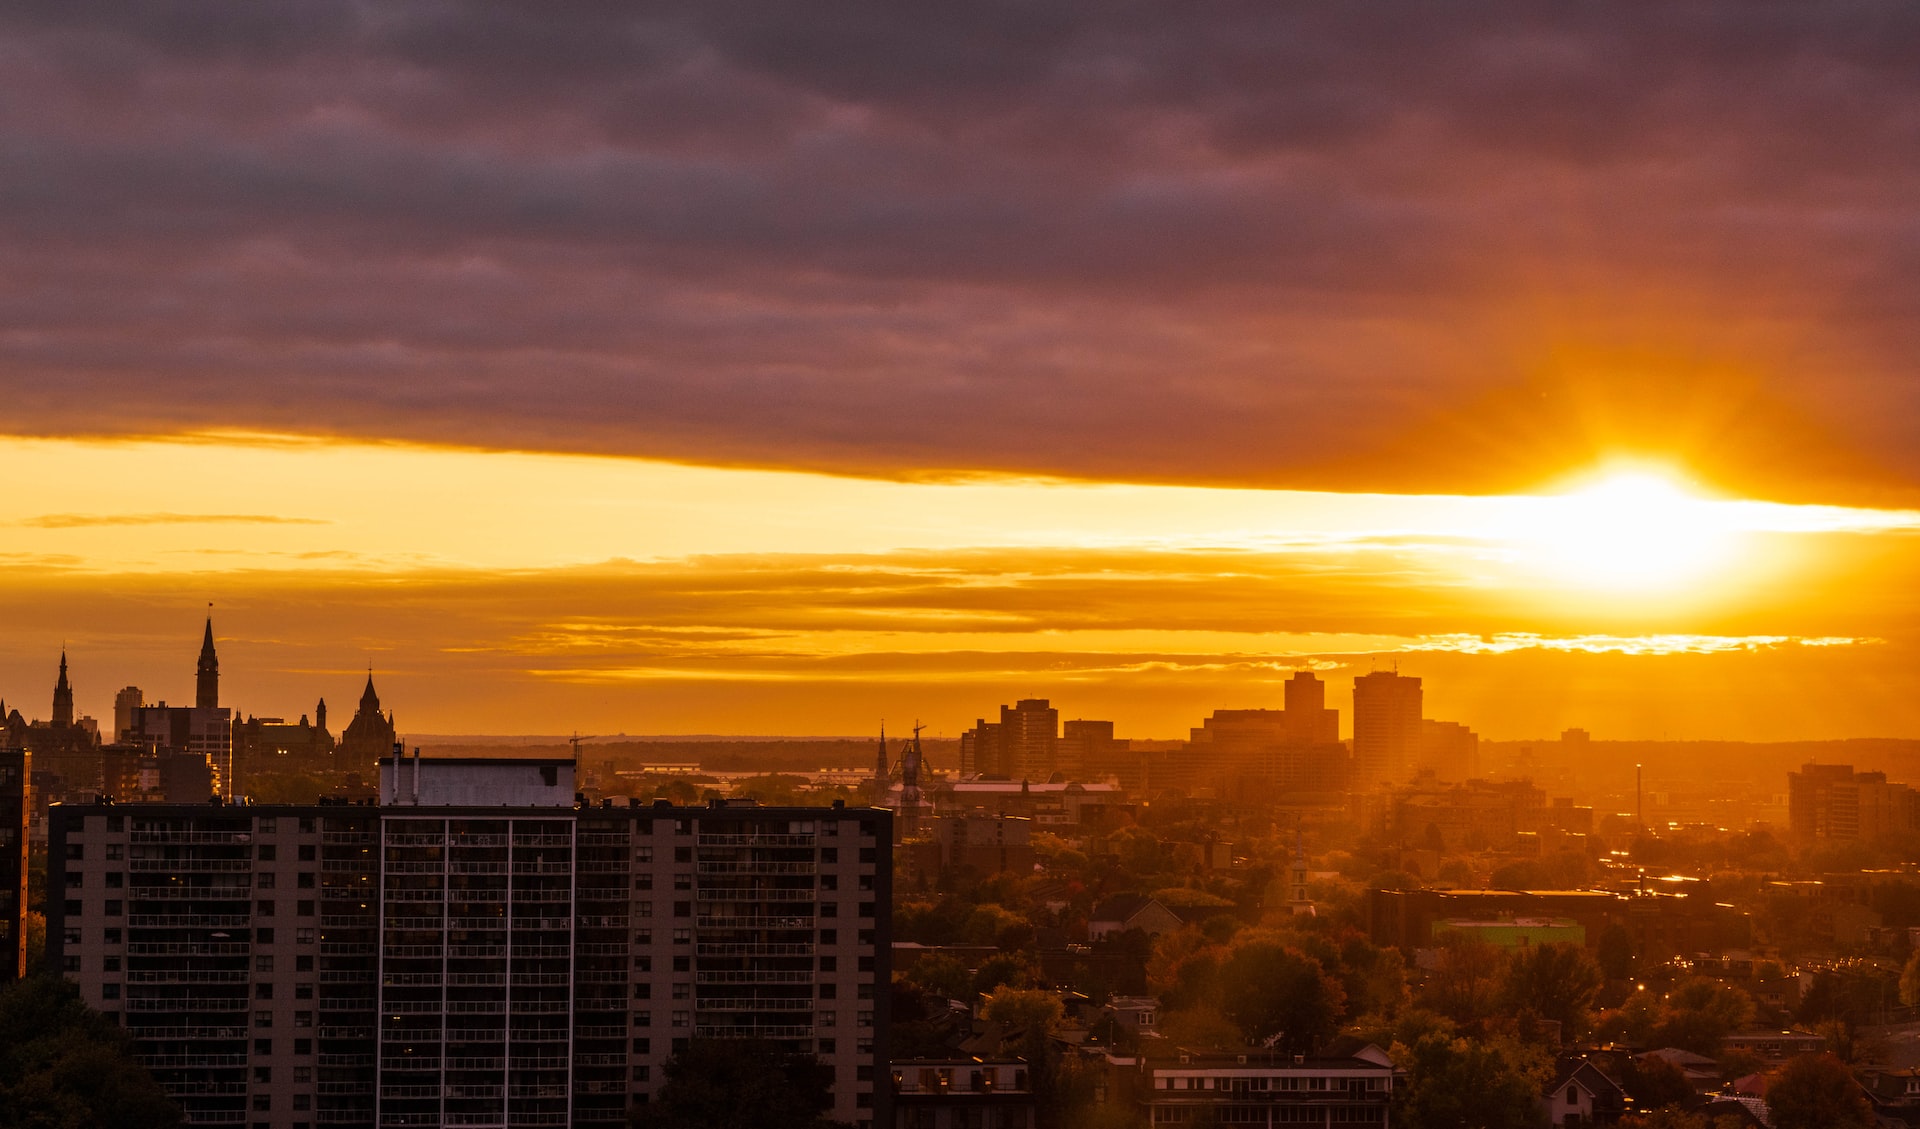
x,y
1387,710
1022,745
1308,720
125,704
474,951
1833,802
16,810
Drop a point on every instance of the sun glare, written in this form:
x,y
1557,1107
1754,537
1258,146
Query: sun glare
x,y
1632,529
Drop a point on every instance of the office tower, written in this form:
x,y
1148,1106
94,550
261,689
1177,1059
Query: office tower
x,y
1308,720
1386,726
1090,751
474,951
125,704
1449,749
16,808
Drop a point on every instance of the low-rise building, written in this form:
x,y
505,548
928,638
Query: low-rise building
x,y
962,1093
1351,1085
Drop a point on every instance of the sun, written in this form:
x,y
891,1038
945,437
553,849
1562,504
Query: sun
x,y
1631,529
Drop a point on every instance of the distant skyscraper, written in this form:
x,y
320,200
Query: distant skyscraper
x,y
126,704
1386,726
1308,720
1030,737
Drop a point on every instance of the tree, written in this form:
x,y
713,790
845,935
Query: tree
x,y
1700,1013
1655,1083
1464,985
1614,951
1817,1092
65,1066
1558,982
1453,1083
1279,994
942,975
721,1083
1005,969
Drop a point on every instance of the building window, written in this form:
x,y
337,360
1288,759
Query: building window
x,y
643,1046
643,882
827,1019
302,1102
866,1019
262,1102
116,852
643,991
305,991
263,963
263,1019
304,935
263,991
111,936
306,852
76,850
71,906
829,936
306,825
305,880
829,909
826,1046
114,907
643,1073
643,964
75,879
683,936
682,1018
643,1019
829,991
683,854
263,908
263,1046
262,1075
643,936
829,964
264,880
683,881
301,1047
304,908
263,936
829,854
116,823
682,964
303,963
110,964
683,991
303,1019
269,852
643,909
683,909
829,882
643,854
109,991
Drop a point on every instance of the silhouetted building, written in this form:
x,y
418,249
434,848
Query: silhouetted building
x,y
1448,749
1351,1085
1832,801
1090,751
16,809
1386,727
125,704
204,729
269,745
1022,745
368,737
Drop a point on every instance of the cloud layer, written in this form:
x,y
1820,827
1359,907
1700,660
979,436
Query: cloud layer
x,y
1391,245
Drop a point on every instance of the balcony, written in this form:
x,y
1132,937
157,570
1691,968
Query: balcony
x,y
754,1031
756,840
757,1003
755,976
757,868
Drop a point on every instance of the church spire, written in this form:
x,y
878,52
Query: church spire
x,y
62,696
207,684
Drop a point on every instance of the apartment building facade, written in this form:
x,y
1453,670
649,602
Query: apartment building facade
x,y
416,964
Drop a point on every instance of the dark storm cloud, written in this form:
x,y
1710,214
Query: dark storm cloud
x,y
1391,245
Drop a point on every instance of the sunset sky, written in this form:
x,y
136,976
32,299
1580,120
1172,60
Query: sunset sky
x,y
751,367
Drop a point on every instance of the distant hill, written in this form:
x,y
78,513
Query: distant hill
x,y
713,753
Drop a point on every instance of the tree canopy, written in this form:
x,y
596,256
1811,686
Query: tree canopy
x,y
65,1066
1817,1092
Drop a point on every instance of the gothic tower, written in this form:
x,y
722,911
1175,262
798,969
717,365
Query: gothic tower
x,y
62,697
207,686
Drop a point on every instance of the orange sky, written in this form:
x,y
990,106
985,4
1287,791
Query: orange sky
x,y
515,592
